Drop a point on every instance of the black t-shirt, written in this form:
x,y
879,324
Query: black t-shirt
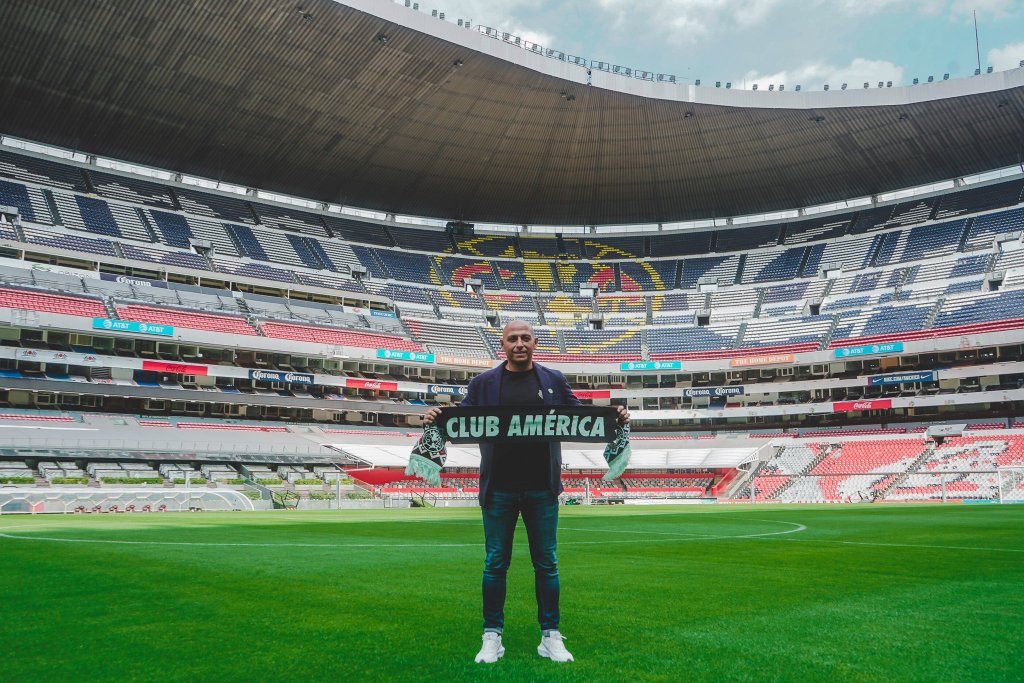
x,y
526,465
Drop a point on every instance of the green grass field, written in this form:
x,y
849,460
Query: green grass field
x,y
878,593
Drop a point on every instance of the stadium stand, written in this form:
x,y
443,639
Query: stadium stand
x,y
323,335
722,268
572,275
217,206
613,248
181,318
47,172
132,190
442,338
490,246
657,276
52,303
420,239
289,219
453,272
29,201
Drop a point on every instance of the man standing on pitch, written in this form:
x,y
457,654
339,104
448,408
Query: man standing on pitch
x,y
523,479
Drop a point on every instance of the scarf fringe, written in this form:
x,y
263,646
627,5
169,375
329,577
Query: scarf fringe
x,y
618,464
617,453
424,468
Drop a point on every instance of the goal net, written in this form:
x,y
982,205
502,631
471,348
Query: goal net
x,y
1011,484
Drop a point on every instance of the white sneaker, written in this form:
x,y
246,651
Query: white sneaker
x,y
492,650
551,647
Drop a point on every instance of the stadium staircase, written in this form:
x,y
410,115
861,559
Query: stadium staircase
x,y
760,301
826,451
827,338
148,225
738,280
740,487
235,242
108,303
483,341
965,236
175,202
740,334
51,204
803,260
930,320
876,247
929,448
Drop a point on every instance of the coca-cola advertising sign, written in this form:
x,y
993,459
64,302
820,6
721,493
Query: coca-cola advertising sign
x,y
591,394
371,384
847,406
175,368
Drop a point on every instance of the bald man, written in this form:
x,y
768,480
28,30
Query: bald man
x,y
521,479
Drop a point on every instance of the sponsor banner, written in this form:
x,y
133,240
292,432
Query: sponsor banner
x,y
47,356
175,368
712,392
277,376
901,378
134,281
847,406
592,393
460,360
131,326
359,310
371,384
869,350
450,390
413,356
770,359
946,430
61,270
651,365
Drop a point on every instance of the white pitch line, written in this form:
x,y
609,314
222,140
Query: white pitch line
x,y
799,528
902,545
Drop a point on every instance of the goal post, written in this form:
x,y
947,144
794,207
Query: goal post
x,y
1011,484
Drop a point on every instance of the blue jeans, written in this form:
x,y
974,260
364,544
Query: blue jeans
x,y
540,515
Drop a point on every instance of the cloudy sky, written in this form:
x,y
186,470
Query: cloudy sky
x,y
807,42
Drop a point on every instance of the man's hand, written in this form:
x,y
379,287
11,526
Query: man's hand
x,y
623,415
431,415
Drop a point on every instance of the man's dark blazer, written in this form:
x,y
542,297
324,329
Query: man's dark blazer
x,y
485,390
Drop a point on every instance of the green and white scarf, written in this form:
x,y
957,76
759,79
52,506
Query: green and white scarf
x,y
477,424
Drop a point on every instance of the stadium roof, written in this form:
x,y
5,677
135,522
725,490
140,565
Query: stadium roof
x,y
371,104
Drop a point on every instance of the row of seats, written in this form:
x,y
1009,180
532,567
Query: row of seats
x,y
903,470
74,190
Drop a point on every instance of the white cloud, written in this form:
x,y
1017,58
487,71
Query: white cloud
x,y
868,6
687,21
814,75
1006,57
501,16
964,9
